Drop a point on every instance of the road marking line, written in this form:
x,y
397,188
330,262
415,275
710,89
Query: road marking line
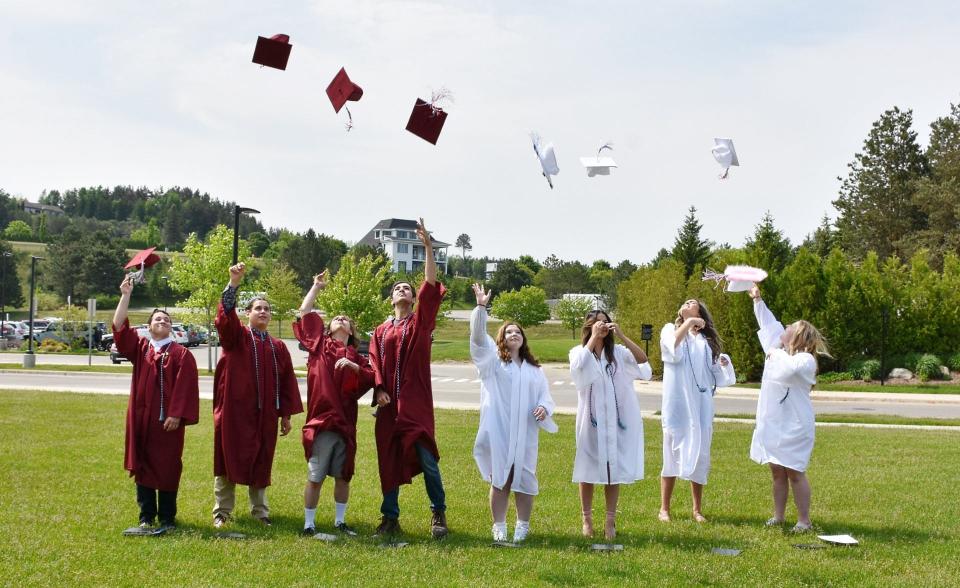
x,y
447,380
462,380
558,383
474,381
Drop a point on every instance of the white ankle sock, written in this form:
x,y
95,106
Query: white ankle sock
x,y
309,516
341,508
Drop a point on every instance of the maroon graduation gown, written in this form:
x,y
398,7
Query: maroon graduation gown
x,y
154,456
245,429
408,419
332,394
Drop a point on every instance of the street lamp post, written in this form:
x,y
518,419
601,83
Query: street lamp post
x,y
3,292
237,211
29,359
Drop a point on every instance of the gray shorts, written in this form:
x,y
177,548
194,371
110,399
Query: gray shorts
x,y
327,457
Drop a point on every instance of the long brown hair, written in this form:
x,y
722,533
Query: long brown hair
x,y
709,330
352,338
504,353
592,317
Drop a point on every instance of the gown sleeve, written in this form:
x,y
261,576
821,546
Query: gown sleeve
x,y
584,369
669,352
770,328
785,369
483,351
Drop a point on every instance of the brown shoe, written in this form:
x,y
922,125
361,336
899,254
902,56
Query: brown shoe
x,y
438,525
388,526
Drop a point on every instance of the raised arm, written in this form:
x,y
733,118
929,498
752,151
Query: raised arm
x,y
319,283
770,328
483,351
120,315
228,324
430,264
693,323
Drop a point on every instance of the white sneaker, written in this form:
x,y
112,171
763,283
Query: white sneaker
x,y
521,531
500,532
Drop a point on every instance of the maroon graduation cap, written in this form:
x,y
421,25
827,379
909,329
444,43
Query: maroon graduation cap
x,y
273,52
426,120
143,260
342,89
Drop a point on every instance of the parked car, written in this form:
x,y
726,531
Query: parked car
x,y
193,337
10,335
67,333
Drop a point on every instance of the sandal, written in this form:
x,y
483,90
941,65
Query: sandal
x,y
664,516
773,522
587,524
802,528
698,517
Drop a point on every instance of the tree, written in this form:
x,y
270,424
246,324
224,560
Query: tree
x,y
172,230
18,231
510,275
823,239
688,248
564,277
572,312
463,242
280,285
258,243
11,288
526,307
80,264
356,291
202,271
146,236
530,263
42,228
768,248
876,198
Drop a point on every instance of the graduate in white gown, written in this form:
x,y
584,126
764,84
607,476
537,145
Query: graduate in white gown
x,y
515,403
693,369
609,427
785,428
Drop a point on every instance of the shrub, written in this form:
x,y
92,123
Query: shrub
x,y
928,367
953,362
52,346
832,377
870,370
526,306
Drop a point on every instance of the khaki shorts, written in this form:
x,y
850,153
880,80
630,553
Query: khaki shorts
x,y
327,457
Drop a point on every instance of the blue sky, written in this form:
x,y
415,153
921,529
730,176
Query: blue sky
x,y
163,93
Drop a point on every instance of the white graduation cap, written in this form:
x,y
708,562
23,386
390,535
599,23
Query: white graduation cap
x,y
739,278
725,155
599,166
547,157
839,539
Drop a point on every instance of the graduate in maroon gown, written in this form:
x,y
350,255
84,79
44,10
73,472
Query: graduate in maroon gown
x,y
254,386
400,354
164,399
337,377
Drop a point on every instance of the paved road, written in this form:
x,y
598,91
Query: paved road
x,y
456,386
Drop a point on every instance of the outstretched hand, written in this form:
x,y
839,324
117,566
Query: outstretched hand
x,y
320,280
483,296
423,234
236,274
126,286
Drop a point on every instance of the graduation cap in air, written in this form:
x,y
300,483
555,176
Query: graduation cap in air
x,y
725,155
599,166
547,156
143,260
739,278
273,52
342,89
427,118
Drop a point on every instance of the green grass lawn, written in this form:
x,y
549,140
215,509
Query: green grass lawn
x,y
876,387
877,419
65,499
124,368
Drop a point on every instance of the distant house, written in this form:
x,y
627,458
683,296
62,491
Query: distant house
x,y
35,208
397,239
491,269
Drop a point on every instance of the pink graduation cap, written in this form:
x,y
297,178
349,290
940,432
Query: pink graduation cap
x,y
143,260
739,278
547,156
273,52
342,89
427,118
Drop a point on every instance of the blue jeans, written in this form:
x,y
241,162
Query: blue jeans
x,y
431,479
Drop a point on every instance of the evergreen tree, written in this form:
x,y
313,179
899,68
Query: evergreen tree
x,y
688,248
876,205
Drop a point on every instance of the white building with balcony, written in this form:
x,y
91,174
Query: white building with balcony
x,y
397,239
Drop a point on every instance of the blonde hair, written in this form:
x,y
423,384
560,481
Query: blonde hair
x,y
806,338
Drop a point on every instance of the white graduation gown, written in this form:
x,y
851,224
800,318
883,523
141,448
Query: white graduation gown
x,y
509,393
785,427
608,443
687,412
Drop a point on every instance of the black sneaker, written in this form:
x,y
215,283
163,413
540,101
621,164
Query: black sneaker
x,y
388,526
169,525
438,525
309,532
219,522
266,521
346,530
